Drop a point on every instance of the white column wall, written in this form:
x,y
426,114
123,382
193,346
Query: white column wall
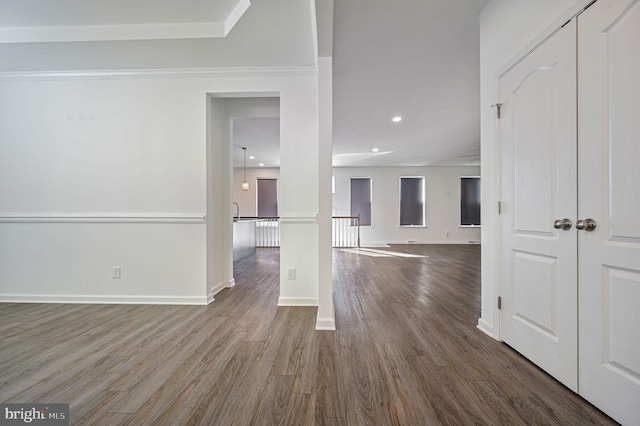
x,y
298,195
326,314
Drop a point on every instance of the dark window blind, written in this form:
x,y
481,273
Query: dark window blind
x,y
412,201
361,199
267,197
470,201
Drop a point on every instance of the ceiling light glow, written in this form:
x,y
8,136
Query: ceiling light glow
x,y
396,119
261,164
251,157
374,149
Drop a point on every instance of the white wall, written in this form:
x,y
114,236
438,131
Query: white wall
x,y
508,30
442,192
298,200
98,170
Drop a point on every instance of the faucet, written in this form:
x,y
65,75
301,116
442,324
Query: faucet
x,y
237,215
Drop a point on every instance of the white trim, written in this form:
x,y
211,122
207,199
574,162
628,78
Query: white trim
x,y
427,242
185,218
286,71
115,32
299,218
218,288
314,29
84,33
298,301
235,15
486,328
98,299
326,324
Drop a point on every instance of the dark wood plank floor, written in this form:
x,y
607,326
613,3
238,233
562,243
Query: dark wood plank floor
x,y
406,352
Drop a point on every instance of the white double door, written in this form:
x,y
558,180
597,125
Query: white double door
x,y
570,153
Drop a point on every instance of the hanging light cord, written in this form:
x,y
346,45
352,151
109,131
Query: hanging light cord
x,y
245,163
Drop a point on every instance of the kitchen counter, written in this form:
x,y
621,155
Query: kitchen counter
x,y
244,239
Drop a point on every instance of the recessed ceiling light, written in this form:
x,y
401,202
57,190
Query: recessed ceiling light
x,y
261,164
374,150
251,157
396,119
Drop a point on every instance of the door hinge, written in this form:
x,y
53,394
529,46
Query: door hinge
x,y
499,207
499,302
498,108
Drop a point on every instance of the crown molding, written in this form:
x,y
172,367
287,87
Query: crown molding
x,y
125,32
292,71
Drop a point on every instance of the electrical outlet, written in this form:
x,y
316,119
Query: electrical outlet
x,y
291,273
116,273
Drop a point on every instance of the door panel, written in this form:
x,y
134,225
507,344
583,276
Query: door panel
x,y
609,192
538,172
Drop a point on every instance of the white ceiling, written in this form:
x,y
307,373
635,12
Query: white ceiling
x,y
36,13
31,21
261,137
270,33
415,58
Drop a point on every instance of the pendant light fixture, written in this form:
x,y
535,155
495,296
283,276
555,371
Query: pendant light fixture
x,y
245,184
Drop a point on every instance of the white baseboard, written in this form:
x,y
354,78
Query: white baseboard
x,y
218,288
326,324
467,242
485,327
97,299
297,301
373,245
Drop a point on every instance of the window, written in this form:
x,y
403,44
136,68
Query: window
x,y
361,199
412,201
470,201
267,197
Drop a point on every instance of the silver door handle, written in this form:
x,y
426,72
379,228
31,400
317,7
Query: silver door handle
x,y
586,225
564,224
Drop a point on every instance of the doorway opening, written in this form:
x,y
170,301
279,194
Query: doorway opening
x,y
243,147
